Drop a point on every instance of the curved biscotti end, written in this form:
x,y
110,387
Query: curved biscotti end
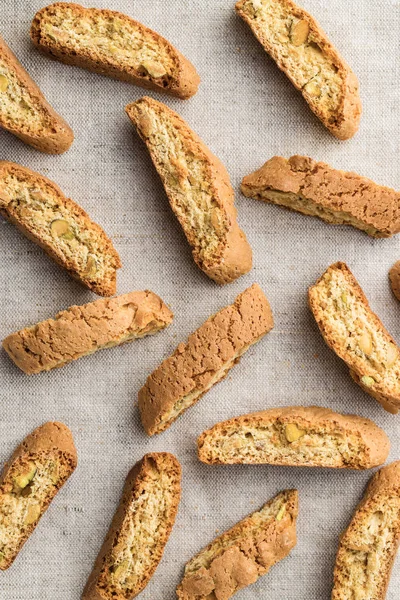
x,y
187,80
237,259
390,404
385,480
347,122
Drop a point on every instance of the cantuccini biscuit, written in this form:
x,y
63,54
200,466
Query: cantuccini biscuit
x,y
316,189
301,49
206,358
139,531
296,436
198,188
82,330
113,44
29,481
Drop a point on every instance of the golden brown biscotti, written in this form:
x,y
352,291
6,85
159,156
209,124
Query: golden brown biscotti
x,y
296,436
24,110
301,49
316,189
206,358
139,531
241,555
368,547
198,188
82,330
113,44
61,227
28,483
394,277
356,334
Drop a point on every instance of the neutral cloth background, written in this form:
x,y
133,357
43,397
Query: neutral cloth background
x,y
246,111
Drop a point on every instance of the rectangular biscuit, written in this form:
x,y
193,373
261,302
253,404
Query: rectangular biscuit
x,y
28,483
82,330
206,358
139,531
316,189
238,557
356,334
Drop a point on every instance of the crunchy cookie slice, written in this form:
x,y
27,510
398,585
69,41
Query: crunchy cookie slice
x,y
199,190
139,531
356,334
368,547
206,358
28,483
244,553
294,39
82,330
24,110
57,224
113,44
316,189
296,436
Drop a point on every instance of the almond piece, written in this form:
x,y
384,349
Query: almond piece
x,y
299,32
365,343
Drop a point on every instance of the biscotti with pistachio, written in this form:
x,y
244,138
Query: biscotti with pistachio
x,y
61,227
25,112
139,531
198,188
241,555
301,49
368,547
296,436
356,334
82,330
206,358
111,43
28,483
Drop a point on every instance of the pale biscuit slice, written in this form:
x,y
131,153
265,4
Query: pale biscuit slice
x,y
199,190
294,39
241,555
24,110
139,531
113,44
206,358
296,436
82,330
356,334
316,189
61,227
368,547
29,481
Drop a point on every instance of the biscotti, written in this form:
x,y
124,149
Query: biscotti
x,y
82,330
24,110
357,335
58,225
394,276
296,436
368,547
294,39
28,483
316,189
241,555
139,531
206,358
199,190
113,44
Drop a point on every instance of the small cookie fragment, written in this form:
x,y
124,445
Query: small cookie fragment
x,y
394,276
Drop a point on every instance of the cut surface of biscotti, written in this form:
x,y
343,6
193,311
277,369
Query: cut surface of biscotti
x,y
244,553
316,189
82,330
368,547
28,483
24,110
296,436
61,227
198,188
294,39
113,44
140,529
356,334
206,358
